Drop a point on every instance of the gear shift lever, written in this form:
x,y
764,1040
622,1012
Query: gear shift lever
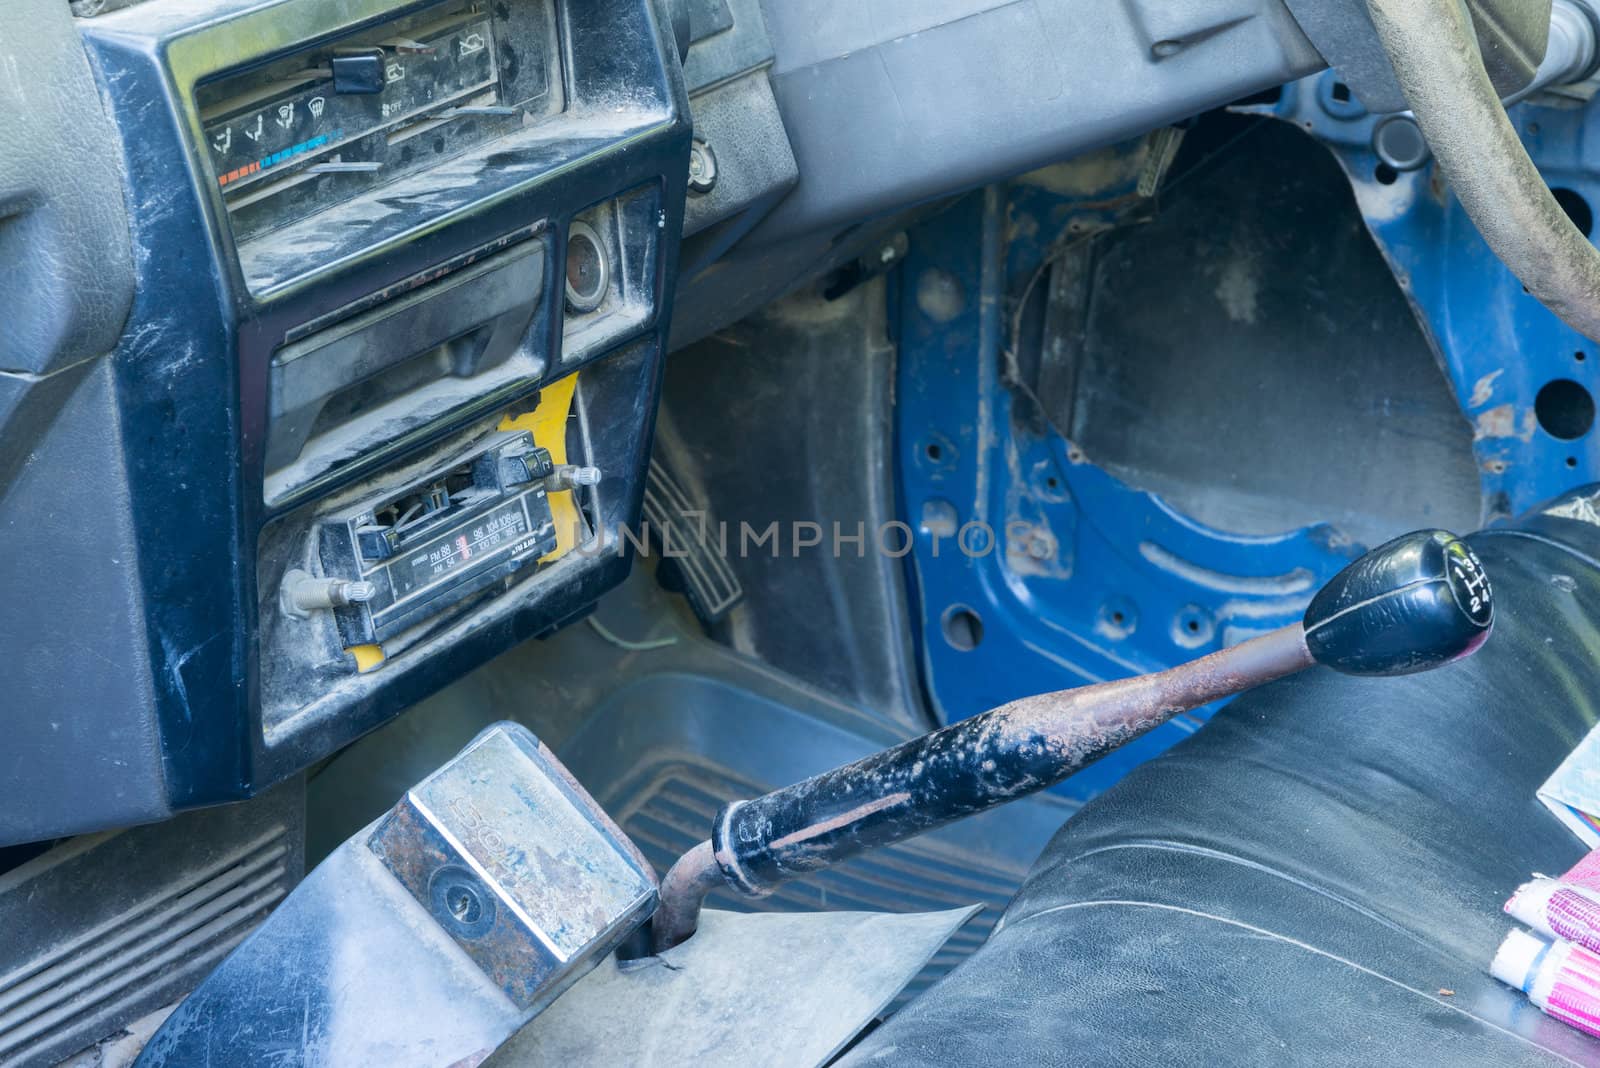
x,y
1413,604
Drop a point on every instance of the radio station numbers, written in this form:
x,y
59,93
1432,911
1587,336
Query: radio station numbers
x,y
460,549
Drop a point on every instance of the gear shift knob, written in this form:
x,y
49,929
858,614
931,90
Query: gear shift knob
x,y
1415,603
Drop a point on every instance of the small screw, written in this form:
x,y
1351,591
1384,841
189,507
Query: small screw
x,y
702,168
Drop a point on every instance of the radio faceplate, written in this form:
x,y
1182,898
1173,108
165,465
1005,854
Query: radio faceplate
x,y
464,528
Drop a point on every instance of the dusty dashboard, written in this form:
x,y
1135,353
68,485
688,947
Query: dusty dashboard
x,y
322,124
387,388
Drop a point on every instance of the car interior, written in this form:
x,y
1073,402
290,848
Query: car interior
x,y
798,532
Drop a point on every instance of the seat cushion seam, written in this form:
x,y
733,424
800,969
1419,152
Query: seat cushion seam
x,y
1254,865
1542,540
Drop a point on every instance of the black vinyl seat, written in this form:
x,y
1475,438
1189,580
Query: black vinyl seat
x,y
1314,878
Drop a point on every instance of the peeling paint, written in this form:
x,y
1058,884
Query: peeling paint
x,y
1483,389
1239,288
1091,173
1383,203
1503,421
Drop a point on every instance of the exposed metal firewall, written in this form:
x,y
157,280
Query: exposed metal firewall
x,y
1292,408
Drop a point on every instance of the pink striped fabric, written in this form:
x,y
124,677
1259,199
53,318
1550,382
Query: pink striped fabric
x,y
1574,917
1575,995
1586,872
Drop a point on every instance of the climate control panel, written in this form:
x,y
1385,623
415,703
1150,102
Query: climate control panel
x,y
325,123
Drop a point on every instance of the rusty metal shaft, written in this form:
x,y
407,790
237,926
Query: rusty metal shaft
x,y
999,756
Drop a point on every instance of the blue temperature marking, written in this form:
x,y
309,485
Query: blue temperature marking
x,y
300,149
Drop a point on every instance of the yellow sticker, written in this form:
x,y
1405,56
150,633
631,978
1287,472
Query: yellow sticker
x,y
548,423
368,657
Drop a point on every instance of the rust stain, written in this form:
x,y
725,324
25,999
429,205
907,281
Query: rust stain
x,y
1024,225
844,819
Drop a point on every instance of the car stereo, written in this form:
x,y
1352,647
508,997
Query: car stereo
x,y
403,272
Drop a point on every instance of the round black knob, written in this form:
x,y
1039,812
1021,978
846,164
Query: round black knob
x,y
1413,604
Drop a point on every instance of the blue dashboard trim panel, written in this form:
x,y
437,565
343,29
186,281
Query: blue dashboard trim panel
x,y
1498,345
1088,580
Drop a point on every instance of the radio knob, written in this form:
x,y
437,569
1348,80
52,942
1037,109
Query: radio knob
x,y
302,593
512,465
376,543
569,476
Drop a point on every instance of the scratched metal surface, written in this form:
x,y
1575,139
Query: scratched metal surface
x,y
516,863
1093,579
1124,583
1499,346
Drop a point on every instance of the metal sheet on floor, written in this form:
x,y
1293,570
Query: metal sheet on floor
x,y
778,989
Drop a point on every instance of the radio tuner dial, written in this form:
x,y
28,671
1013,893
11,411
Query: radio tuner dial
x,y
301,593
569,476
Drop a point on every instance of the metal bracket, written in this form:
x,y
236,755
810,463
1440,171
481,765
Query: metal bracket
x,y
516,863
1512,35
434,934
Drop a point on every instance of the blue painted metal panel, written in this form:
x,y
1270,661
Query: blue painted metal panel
x,y
1076,577
1498,345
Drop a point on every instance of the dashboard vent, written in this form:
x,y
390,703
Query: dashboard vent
x,y
109,927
